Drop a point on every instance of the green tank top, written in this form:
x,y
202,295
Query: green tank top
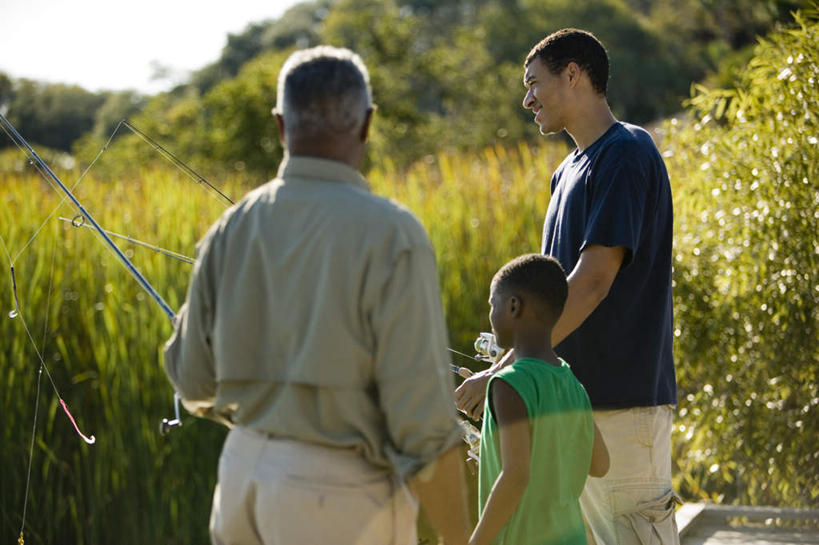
x,y
562,432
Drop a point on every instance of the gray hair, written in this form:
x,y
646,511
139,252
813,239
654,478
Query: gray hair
x,y
323,89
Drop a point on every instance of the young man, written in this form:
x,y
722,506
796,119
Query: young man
x,y
539,441
313,326
609,222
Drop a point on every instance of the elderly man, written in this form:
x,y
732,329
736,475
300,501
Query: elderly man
x,y
313,327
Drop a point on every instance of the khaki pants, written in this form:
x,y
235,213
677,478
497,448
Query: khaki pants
x,y
634,503
276,491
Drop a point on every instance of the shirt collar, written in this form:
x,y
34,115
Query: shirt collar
x,y
303,166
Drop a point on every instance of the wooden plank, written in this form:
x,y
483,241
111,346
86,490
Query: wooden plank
x,y
708,524
687,515
754,536
763,513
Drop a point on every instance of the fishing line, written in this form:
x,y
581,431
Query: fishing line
x,y
463,372
41,171
37,398
44,172
48,174
464,355
18,313
31,454
195,176
124,260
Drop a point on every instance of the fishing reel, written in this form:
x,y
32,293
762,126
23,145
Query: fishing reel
x,y
487,351
472,438
166,425
487,348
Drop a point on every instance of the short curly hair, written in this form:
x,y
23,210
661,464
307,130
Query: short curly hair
x,y
323,89
560,48
537,275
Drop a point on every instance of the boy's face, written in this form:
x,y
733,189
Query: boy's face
x,y
499,317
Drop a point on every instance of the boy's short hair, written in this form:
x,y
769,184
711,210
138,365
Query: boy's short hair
x,y
538,275
560,48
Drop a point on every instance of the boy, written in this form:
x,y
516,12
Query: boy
x,y
538,439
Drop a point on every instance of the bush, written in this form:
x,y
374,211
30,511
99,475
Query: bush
x,y
747,280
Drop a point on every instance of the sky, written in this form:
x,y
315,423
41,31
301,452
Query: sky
x,y
115,45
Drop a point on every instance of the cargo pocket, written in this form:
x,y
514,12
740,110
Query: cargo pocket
x,y
649,523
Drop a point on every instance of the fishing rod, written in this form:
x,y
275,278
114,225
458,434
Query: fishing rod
x,y
485,344
79,221
487,351
96,226
143,282
176,161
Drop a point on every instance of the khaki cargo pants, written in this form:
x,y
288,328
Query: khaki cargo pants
x,y
634,503
276,491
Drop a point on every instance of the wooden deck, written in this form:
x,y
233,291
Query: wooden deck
x,y
706,524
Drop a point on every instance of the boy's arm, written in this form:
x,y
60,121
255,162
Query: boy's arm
x,y
515,445
600,455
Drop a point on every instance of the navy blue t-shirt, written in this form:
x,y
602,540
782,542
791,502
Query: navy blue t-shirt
x,y
616,193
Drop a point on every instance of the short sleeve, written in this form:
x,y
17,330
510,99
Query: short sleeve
x,y
618,188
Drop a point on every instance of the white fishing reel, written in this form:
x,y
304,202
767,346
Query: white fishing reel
x,y
472,437
167,425
487,348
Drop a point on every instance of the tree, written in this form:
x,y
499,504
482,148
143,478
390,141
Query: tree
x,y
299,26
52,115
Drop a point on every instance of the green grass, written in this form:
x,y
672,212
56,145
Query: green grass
x,y
101,336
104,334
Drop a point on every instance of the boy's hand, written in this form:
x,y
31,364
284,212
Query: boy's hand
x,y
470,395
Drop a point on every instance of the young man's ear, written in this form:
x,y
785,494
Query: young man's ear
x,y
573,73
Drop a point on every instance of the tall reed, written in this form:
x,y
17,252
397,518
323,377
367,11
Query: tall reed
x,y
101,336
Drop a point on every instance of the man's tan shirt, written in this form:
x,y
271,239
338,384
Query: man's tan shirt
x,y
314,314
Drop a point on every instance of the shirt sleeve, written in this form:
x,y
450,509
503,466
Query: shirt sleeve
x,y
415,385
618,197
189,361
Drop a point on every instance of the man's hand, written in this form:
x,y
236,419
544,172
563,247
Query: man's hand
x,y
443,497
470,395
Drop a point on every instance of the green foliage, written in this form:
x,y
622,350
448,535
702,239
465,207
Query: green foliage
x,y
100,336
117,106
747,279
228,130
480,210
446,73
240,129
52,115
746,294
6,92
432,88
299,26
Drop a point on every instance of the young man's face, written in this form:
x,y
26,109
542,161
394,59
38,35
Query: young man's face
x,y
499,318
546,95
